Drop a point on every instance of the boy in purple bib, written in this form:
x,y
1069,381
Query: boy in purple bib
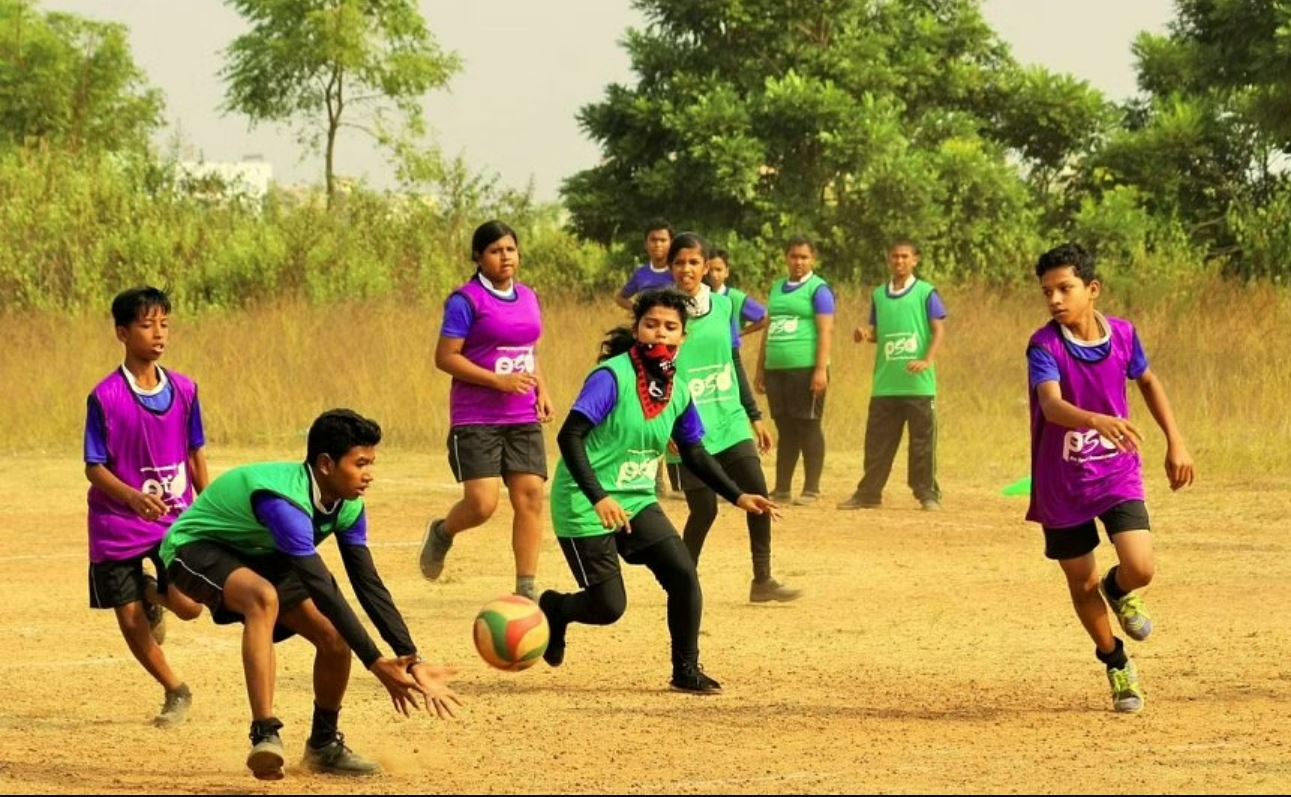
x,y
1085,460
498,403
144,462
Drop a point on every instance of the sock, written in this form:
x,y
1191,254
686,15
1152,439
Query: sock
x,y
1116,660
525,587
324,728
1110,586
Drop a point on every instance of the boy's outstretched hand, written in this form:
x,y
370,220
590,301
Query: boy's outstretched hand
x,y
434,685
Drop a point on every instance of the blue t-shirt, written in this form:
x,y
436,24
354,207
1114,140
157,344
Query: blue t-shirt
x,y
646,278
822,302
936,308
96,425
600,395
294,532
459,316
1042,367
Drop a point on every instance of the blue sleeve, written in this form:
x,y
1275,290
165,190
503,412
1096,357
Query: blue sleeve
x,y
96,434
689,429
1138,359
735,331
291,528
1041,367
632,289
459,316
823,301
356,534
753,312
599,396
936,307
196,430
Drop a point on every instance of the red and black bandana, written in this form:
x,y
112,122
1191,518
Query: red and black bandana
x,y
655,364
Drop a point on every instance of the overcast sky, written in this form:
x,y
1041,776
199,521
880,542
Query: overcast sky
x,y
527,68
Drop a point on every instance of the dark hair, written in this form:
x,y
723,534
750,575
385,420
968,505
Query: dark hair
x,y
800,240
487,233
131,305
907,243
659,224
335,432
687,240
620,339
1069,255
720,254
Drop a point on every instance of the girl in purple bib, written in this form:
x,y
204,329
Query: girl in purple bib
x,y
497,404
144,462
1085,460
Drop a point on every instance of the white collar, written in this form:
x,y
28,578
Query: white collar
x,y
664,270
805,277
162,381
905,286
317,495
702,302
488,285
725,291
1103,327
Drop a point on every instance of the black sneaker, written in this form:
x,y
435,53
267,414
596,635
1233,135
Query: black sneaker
x,y
338,759
857,502
267,756
691,678
806,499
772,590
781,496
554,655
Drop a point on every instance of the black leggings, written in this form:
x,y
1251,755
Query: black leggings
x,y
742,464
799,435
603,602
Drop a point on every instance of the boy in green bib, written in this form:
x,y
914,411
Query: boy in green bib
x,y
908,325
248,549
603,503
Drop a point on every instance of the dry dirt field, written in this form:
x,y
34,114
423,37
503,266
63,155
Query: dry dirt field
x,y
931,653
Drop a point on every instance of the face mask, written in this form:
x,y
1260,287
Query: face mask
x,y
655,364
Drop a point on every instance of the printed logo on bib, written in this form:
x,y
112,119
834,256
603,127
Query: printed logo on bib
x,y
784,326
514,360
639,470
1088,446
901,346
169,483
708,383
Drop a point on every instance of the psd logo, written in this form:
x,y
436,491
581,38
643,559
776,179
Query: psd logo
x,y
638,471
1087,446
514,360
901,346
168,482
784,326
707,387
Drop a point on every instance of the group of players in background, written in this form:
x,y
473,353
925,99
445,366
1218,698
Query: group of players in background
x,y
670,387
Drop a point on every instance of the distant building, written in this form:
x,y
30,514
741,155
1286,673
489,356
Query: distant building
x,y
247,180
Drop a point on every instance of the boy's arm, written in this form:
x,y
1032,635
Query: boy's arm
x,y
198,474
148,507
1178,462
371,591
1060,412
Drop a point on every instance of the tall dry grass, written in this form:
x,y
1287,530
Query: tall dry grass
x,y
264,373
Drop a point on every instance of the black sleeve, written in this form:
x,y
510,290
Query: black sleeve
x,y
375,598
572,440
326,594
702,464
747,399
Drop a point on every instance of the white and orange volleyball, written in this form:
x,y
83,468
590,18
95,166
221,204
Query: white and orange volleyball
x,y
511,633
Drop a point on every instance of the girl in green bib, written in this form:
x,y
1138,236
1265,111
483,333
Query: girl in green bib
x,y
603,502
709,366
793,370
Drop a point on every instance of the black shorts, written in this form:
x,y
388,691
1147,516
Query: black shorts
x,y
114,584
201,568
486,451
595,560
745,449
789,395
1075,541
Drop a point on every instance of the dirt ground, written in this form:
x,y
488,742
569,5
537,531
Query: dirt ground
x,y
931,653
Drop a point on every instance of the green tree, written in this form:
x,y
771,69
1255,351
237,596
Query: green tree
x,y
71,82
333,64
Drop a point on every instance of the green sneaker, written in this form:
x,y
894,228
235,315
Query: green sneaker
x,y
1127,694
434,549
1132,615
337,758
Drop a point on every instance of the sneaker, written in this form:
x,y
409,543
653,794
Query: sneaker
x,y
175,708
857,502
691,678
1132,614
554,655
1127,695
337,759
781,496
930,505
772,590
156,613
434,548
266,757
806,499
